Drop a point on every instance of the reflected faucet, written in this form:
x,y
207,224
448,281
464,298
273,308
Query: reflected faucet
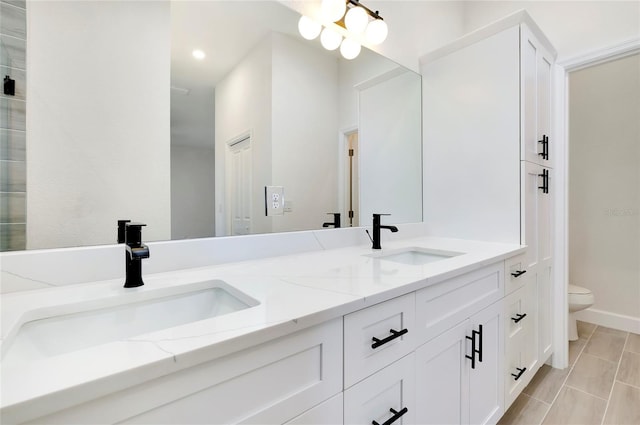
x,y
135,252
376,230
336,221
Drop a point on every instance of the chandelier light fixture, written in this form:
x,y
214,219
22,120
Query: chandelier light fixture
x,y
359,21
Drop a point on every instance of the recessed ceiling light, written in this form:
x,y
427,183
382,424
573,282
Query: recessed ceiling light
x,y
198,54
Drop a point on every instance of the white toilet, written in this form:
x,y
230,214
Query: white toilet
x,y
579,299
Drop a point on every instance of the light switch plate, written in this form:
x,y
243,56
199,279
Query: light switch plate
x,y
274,200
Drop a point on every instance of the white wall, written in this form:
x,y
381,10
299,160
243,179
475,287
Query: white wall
x,y
573,27
243,103
192,197
97,120
304,132
604,188
390,163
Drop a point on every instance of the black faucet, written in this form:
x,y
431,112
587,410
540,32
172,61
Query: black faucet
x,y
335,223
376,230
135,252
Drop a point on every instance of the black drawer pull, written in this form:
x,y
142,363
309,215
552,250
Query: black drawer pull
x,y
518,273
394,334
545,181
519,374
518,317
395,417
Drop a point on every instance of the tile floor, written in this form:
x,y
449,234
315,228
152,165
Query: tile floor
x,y
600,386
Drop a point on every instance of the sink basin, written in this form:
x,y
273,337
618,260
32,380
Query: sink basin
x,y
415,256
82,325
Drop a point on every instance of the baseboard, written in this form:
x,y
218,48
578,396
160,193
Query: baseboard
x,y
610,320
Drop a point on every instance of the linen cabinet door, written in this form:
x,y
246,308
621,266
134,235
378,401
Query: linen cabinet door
x,y
486,379
442,378
387,396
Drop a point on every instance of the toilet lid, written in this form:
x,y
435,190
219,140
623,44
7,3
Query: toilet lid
x,y
573,289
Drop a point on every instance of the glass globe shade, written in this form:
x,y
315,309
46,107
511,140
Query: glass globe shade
x,y
330,39
308,28
349,49
356,20
333,9
376,32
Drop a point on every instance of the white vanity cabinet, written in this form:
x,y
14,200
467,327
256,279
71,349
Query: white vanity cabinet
x,y
488,130
459,372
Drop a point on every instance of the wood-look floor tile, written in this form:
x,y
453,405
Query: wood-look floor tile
x,y
575,347
606,345
576,407
546,383
629,371
524,411
593,375
603,329
624,405
633,343
585,329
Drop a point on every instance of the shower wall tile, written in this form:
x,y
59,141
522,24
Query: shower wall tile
x,y
18,3
12,145
13,114
13,21
13,237
21,81
13,207
13,176
13,52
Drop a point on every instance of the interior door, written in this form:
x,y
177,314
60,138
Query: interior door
x,y
239,187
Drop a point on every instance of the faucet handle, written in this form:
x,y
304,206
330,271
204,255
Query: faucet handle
x,y
133,234
121,230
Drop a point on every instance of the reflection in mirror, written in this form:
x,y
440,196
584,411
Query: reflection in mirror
x,y
115,133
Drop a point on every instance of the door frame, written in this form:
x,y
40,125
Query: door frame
x,y
560,150
343,138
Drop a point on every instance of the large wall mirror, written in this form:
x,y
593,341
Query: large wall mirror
x,y
124,123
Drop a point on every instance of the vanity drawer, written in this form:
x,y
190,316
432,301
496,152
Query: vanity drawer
x,y
443,305
374,398
515,273
268,384
377,336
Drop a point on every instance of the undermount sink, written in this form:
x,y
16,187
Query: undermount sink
x,y
415,256
87,324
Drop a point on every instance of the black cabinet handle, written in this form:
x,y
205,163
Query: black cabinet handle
x,y
545,147
480,351
545,181
519,374
476,346
394,334
518,317
518,273
396,415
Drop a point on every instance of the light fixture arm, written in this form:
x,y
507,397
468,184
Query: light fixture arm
x,y
374,15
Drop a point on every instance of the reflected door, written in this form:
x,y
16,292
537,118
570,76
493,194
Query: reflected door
x,y
239,187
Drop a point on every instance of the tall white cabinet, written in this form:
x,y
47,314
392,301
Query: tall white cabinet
x,y
488,172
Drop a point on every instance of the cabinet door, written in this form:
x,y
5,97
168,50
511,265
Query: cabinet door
x,y
486,380
442,378
529,211
326,413
384,395
535,86
545,311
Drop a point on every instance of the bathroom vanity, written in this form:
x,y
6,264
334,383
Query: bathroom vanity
x,y
295,342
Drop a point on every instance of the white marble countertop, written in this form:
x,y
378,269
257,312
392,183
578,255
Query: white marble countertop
x,y
293,291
